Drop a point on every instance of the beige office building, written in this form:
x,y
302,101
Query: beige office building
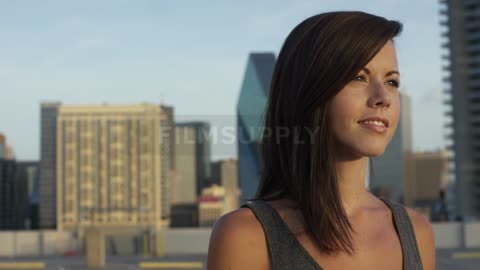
x,y
111,170
211,205
225,174
427,175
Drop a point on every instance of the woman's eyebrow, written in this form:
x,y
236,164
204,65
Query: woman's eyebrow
x,y
392,72
387,74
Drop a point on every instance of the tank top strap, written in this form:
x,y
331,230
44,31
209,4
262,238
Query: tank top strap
x,y
283,247
406,233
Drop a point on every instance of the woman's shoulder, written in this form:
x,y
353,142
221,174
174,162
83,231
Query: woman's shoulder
x,y
425,238
241,220
237,242
422,227
419,222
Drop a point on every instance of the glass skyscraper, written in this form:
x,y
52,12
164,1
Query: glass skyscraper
x,y
250,110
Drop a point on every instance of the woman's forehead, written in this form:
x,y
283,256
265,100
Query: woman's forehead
x,y
385,60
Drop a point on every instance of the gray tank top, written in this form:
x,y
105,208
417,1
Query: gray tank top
x,y
287,253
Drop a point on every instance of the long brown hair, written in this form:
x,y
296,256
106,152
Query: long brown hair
x,y
319,57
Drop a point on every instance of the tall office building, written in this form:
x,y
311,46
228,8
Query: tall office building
x,y
21,195
109,166
48,153
32,183
391,170
192,161
461,21
225,174
250,108
7,180
14,212
167,150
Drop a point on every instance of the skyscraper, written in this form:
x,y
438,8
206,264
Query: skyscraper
x,y
7,180
225,174
460,20
250,108
32,173
167,150
192,161
48,158
390,170
14,208
109,166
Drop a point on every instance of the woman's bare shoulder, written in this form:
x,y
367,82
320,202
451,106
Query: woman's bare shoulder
x,y
237,242
425,238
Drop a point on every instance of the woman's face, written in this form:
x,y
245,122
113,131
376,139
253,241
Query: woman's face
x,y
365,113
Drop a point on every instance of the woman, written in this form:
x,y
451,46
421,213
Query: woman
x,y
335,90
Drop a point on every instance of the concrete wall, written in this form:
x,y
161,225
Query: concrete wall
x,y
472,234
37,243
123,244
186,241
178,241
58,242
447,235
195,241
7,246
27,243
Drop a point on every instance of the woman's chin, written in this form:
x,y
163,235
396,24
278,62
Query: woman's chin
x,y
355,151
374,152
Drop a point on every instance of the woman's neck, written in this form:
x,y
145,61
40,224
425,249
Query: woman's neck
x,y
351,183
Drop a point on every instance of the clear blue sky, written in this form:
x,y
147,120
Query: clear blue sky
x,y
189,54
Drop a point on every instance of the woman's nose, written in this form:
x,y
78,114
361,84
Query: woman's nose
x,y
379,95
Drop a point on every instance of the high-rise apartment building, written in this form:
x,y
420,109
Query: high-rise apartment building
x,y
110,166
461,22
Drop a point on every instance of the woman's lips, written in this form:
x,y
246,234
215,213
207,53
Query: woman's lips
x,y
381,129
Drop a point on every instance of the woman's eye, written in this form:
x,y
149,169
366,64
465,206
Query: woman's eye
x,y
360,78
394,83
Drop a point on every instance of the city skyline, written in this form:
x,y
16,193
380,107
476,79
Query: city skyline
x,y
122,52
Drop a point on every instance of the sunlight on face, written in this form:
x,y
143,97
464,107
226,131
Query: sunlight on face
x,y
365,113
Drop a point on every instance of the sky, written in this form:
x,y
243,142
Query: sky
x,y
188,54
